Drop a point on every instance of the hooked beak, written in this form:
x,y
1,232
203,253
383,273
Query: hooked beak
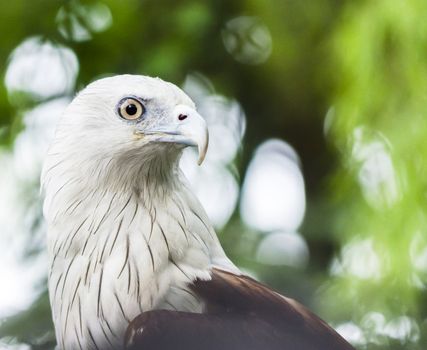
x,y
187,128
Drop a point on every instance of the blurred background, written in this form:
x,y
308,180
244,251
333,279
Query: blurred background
x,y
316,174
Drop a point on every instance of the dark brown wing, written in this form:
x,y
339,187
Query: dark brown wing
x,y
241,314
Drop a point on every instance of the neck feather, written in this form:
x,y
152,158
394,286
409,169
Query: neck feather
x,y
123,238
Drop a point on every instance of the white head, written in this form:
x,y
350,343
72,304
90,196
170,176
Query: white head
x,y
117,126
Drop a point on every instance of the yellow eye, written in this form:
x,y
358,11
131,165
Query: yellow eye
x,y
131,109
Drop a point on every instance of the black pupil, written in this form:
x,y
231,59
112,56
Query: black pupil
x,y
131,109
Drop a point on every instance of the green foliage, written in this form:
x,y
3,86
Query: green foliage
x,y
378,121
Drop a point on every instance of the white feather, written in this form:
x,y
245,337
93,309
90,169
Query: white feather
x,y
125,233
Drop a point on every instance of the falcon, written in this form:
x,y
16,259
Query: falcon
x,y
133,260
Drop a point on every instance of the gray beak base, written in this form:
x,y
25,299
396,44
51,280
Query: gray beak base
x,y
188,128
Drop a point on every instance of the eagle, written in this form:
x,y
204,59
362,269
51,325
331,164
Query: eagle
x,y
134,262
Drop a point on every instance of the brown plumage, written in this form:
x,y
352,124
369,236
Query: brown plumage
x,y
240,314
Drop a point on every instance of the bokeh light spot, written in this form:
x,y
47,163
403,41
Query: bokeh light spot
x,y
359,258
282,248
76,21
376,173
41,69
214,185
247,39
273,194
352,333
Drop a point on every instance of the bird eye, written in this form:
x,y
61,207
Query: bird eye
x,y
131,109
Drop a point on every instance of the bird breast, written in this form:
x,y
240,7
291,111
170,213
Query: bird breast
x,y
114,255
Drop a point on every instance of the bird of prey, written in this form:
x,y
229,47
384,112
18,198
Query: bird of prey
x,y
133,260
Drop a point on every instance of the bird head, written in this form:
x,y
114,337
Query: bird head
x,y
127,121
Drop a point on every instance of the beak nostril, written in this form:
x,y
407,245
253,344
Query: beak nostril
x,y
182,116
